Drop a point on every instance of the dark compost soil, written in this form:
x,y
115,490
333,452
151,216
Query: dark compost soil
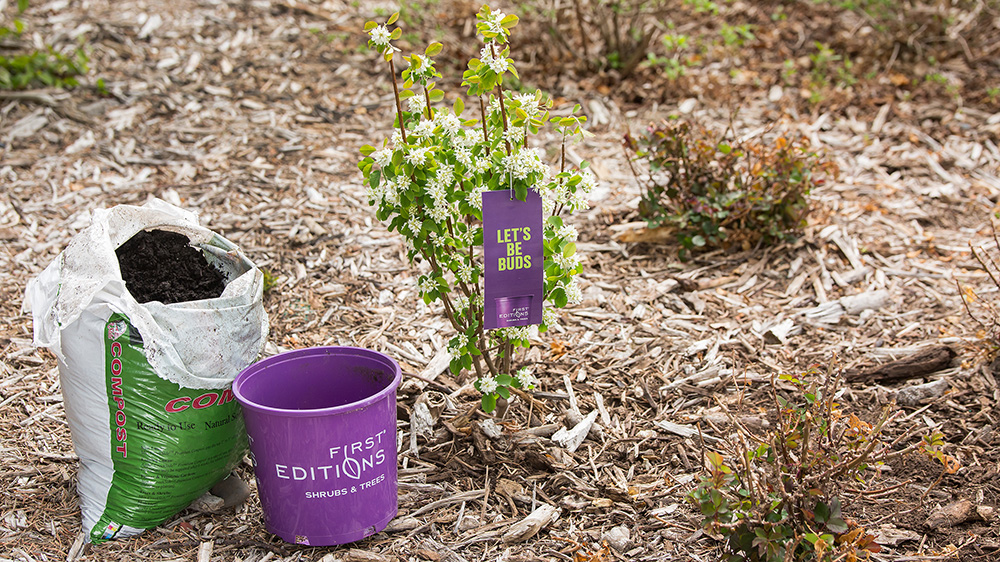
x,y
163,266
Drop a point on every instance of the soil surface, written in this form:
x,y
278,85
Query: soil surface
x,y
158,265
252,114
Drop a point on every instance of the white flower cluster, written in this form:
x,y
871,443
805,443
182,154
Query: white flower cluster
x,y
448,122
464,156
482,164
416,104
426,284
526,379
440,211
588,182
494,23
577,202
573,293
423,69
487,384
461,303
475,197
441,183
573,200
493,108
567,232
418,156
498,65
523,162
514,333
566,263
466,237
414,224
528,102
548,204
514,135
380,35
388,190
464,272
549,317
457,344
382,156
424,129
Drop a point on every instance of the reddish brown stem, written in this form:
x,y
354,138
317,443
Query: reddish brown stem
x,y
503,109
399,106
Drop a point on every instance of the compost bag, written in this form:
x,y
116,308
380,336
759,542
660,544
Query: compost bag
x,y
147,386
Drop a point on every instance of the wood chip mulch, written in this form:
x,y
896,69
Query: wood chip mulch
x,y
250,115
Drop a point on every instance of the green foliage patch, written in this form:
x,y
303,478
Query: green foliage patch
x,y
40,68
720,191
779,495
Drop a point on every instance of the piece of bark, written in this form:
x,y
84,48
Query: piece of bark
x,y
618,538
530,525
952,514
889,535
435,551
914,366
570,439
914,395
233,490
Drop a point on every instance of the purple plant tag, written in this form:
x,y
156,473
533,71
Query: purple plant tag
x,y
512,246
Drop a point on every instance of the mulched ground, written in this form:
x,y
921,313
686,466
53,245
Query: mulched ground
x,y
251,114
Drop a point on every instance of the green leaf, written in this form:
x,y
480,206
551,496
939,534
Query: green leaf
x,y
509,21
458,107
435,95
367,150
370,26
822,512
396,34
504,380
837,525
521,192
489,402
392,19
569,249
504,391
433,49
698,240
559,298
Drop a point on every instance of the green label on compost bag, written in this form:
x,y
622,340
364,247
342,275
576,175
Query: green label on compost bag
x,y
169,444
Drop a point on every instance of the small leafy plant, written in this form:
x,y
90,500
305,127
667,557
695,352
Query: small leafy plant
x,y
979,305
779,498
718,191
427,180
39,68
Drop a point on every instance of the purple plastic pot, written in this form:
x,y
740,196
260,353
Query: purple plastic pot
x,y
322,428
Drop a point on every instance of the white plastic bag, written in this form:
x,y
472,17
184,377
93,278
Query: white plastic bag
x,y
147,386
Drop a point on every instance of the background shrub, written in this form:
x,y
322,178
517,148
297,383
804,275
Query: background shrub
x,y
777,495
720,191
38,68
